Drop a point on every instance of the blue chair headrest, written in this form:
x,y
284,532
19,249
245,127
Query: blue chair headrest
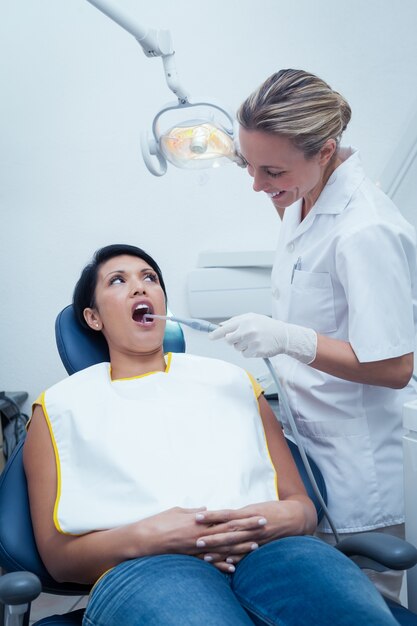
x,y
79,348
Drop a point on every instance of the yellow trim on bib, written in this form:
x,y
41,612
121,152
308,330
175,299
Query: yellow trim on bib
x,y
168,358
258,391
58,467
168,363
38,401
100,578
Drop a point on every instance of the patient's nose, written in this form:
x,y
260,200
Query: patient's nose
x,y
138,289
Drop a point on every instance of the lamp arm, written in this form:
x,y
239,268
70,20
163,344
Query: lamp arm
x,y
154,43
172,79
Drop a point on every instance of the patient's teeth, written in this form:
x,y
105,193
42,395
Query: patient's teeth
x,y
140,311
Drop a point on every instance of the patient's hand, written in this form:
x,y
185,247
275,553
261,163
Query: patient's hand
x,y
172,531
175,530
239,531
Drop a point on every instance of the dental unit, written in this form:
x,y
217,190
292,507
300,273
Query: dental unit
x,y
205,326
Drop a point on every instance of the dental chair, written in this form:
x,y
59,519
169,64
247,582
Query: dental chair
x,y
27,576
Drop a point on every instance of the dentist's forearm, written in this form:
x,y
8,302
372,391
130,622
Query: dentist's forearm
x,y
337,358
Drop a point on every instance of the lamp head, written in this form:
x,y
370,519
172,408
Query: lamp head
x,y
188,139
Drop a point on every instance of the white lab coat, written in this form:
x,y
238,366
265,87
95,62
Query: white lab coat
x,y
348,270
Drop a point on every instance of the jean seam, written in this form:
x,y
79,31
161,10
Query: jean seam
x,y
248,607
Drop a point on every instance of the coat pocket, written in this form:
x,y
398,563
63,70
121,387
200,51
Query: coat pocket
x,y
312,301
342,448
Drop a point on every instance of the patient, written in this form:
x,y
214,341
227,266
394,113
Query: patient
x,y
167,479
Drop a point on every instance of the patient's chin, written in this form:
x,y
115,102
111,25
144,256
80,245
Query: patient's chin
x,y
150,342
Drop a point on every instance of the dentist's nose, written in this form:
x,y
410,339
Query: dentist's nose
x,y
257,185
258,179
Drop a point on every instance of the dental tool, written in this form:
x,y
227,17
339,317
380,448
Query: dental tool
x,y
205,326
196,324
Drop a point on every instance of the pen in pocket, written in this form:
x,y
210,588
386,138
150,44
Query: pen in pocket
x,y
297,266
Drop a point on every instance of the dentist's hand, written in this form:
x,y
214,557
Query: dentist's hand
x,y
260,336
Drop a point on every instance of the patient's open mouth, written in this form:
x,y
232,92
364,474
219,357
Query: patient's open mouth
x,y
140,311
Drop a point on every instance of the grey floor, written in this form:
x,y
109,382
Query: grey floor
x,y
48,604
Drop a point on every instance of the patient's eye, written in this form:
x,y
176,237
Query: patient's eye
x,y
116,280
151,276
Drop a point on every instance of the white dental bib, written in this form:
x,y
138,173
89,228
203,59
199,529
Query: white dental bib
x,y
127,449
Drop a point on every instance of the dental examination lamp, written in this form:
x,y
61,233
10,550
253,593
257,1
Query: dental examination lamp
x,y
188,135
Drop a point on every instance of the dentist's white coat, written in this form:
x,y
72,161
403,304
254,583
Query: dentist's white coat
x,y
357,281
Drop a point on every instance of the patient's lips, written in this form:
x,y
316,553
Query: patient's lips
x,y
139,311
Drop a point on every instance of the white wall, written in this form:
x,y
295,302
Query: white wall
x,y
75,92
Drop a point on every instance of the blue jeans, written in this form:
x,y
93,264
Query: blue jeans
x,y
289,582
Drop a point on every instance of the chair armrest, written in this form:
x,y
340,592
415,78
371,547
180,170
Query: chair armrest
x,y
382,550
19,588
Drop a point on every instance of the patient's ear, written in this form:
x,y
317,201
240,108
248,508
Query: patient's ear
x,y
92,318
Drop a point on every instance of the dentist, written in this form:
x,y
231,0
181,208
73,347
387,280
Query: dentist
x,y
344,289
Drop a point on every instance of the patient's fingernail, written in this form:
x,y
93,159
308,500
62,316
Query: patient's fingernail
x,y
200,543
254,546
229,559
231,568
199,517
262,521
208,558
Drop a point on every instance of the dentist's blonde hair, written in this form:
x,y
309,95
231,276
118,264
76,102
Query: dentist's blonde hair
x,y
299,106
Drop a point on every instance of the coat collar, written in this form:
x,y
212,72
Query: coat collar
x,y
335,196
341,185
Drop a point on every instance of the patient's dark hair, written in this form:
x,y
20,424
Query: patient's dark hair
x,y
84,292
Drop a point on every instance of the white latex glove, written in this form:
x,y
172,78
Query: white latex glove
x,y
260,336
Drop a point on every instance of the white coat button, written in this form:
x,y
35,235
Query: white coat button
x,y
291,247
275,293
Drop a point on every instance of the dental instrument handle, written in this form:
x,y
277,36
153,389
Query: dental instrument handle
x,y
195,323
